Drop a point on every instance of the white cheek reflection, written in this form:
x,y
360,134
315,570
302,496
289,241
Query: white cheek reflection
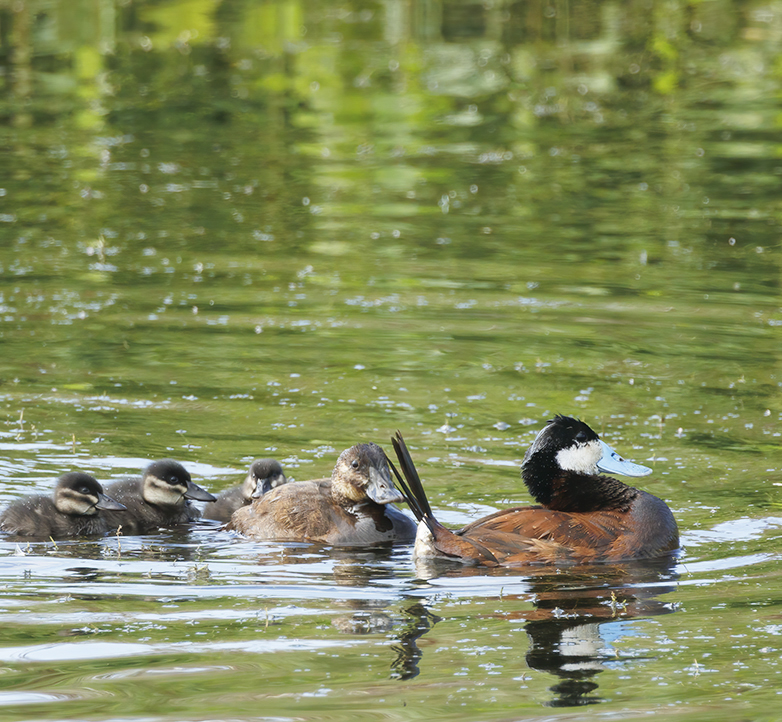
x,y
580,459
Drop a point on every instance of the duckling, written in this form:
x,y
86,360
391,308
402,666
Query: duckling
x,y
160,498
583,516
72,511
264,475
353,508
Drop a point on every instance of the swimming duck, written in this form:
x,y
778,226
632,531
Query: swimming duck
x,y
263,476
353,508
73,510
159,498
584,516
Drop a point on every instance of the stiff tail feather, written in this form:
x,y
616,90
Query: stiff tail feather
x,y
447,543
411,483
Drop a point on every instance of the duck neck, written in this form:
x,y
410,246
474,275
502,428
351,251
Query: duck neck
x,y
346,495
581,492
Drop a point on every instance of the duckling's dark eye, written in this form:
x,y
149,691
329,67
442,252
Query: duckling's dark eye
x,y
83,490
172,479
581,437
354,463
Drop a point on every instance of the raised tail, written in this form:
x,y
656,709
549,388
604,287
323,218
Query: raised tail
x,y
411,484
441,542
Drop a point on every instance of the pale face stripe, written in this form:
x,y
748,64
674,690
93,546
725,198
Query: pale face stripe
x,y
70,501
159,493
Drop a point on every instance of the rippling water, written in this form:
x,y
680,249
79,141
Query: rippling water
x,y
236,230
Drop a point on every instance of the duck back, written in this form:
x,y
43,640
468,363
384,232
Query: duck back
x,y
307,511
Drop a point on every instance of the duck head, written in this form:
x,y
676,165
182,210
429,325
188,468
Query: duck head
x,y
167,483
79,494
264,475
361,474
567,447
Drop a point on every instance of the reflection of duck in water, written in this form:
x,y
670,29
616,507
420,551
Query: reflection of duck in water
x,y
159,498
583,515
263,476
404,624
73,510
353,508
572,618
419,621
577,615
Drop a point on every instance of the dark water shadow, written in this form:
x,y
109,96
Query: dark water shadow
x,y
565,626
407,623
419,620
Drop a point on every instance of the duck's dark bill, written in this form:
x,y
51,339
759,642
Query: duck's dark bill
x,y
196,492
381,489
612,463
262,486
105,502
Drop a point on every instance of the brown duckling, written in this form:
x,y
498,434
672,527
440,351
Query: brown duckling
x,y
159,498
353,508
583,515
73,510
263,476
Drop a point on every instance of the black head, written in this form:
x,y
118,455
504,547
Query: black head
x,y
562,432
566,449
361,474
167,483
79,494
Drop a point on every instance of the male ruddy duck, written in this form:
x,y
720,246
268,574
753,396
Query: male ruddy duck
x,y
74,510
353,508
264,475
159,498
583,515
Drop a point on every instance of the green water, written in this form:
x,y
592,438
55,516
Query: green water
x,y
240,229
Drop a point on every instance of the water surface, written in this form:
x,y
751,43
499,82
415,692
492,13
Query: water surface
x,y
231,230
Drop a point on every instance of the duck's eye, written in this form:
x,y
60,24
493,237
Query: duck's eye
x,y
354,463
172,479
83,490
581,437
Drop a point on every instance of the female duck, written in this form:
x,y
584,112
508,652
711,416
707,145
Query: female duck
x,y
353,508
160,498
583,515
74,510
264,475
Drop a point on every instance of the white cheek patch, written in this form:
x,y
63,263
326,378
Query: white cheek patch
x,y
580,459
69,502
158,493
